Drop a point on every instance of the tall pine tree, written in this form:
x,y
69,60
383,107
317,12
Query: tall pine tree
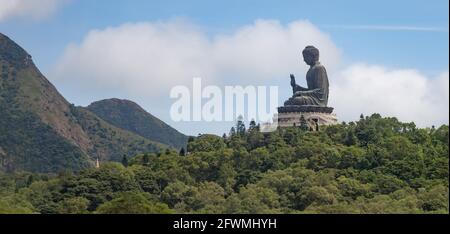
x,y
240,126
125,161
303,123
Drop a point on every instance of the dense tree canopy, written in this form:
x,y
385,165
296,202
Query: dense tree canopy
x,y
375,165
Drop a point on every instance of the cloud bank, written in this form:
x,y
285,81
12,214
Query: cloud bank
x,y
143,61
403,93
151,58
28,8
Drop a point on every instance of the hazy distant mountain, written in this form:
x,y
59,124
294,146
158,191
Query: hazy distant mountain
x,y
41,131
130,116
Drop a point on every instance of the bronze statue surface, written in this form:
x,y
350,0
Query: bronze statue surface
x,y
316,94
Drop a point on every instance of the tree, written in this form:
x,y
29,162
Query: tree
x,y
253,200
177,193
319,195
145,159
41,195
303,123
255,139
350,138
435,199
232,132
30,180
206,143
182,152
132,203
75,205
352,188
149,180
210,197
15,204
191,139
240,126
252,126
125,161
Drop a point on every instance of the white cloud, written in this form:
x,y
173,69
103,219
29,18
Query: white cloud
x,y
150,58
143,61
403,93
35,9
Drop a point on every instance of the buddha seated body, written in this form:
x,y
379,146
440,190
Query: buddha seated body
x,y
316,94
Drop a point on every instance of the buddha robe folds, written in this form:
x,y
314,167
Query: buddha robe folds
x,y
317,92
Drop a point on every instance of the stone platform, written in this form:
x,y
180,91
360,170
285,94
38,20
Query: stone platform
x,y
315,116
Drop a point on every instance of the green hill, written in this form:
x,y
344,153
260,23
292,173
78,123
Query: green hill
x,y
130,116
41,131
373,166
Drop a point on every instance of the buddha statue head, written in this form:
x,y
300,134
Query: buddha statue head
x,y
311,55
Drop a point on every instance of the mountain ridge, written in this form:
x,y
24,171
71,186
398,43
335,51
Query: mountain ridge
x,y
130,116
41,131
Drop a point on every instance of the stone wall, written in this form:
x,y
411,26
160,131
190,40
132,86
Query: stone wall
x,y
314,119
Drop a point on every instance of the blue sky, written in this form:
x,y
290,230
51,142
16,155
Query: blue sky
x,y
47,38
395,34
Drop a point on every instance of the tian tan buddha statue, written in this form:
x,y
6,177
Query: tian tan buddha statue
x,y
316,94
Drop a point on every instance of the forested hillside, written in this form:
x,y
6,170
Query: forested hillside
x,y
130,116
375,165
41,131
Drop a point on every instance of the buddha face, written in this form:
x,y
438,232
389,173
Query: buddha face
x,y
311,55
308,59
